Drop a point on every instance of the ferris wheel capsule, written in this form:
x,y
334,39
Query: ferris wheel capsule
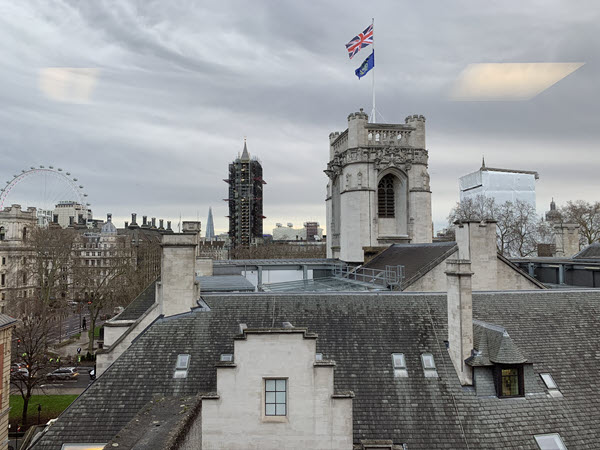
x,y
51,167
68,173
59,169
41,167
32,168
80,187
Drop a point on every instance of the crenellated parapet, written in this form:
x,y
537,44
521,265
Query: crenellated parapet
x,y
414,118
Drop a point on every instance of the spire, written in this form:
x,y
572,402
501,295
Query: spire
x,y
245,154
210,227
552,205
483,162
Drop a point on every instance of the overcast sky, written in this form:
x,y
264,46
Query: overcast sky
x,y
177,85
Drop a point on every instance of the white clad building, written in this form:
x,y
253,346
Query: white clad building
x,y
503,185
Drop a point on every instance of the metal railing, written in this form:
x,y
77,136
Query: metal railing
x,y
388,278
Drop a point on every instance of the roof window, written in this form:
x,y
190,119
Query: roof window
x,y
548,381
181,368
549,442
226,357
551,385
319,357
429,368
399,365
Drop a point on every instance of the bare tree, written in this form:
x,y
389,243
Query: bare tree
x,y
106,283
517,223
587,216
45,273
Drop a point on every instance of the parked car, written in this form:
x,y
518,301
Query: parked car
x,y
19,370
64,373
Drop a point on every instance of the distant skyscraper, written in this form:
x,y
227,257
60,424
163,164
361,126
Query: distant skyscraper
x,y
210,226
245,200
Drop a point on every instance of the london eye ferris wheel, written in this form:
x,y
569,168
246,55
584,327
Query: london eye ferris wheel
x,y
43,187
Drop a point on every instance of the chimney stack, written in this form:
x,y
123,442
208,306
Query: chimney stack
x,y
161,227
169,229
126,224
144,221
154,223
460,317
109,217
477,243
133,222
178,290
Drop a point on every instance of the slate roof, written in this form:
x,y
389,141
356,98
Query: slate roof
x,y
557,330
159,424
417,259
592,251
140,305
494,346
6,320
225,283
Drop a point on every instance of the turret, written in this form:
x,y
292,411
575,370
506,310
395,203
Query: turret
x,y
417,137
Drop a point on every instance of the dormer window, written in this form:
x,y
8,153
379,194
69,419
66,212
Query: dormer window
x,y
509,381
399,365
181,368
429,368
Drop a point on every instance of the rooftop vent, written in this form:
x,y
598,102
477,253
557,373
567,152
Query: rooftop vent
x,y
243,326
287,325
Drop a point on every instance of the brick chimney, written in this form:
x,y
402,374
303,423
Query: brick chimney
x,y
178,288
133,223
460,317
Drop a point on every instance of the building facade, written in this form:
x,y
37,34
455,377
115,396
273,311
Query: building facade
x,y
245,200
310,232
378,191
15,228
503,185
69,213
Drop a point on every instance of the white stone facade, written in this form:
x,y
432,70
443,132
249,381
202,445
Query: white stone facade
x,y
359,160
315,417
15,228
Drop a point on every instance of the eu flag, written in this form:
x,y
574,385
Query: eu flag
x,y
367,65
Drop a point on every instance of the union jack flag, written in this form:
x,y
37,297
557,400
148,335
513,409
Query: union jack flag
x,y
361,41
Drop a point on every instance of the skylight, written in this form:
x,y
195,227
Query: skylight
x,y
319,357
183,361
182,365
399,365
550,442
226,357
429,365
548,381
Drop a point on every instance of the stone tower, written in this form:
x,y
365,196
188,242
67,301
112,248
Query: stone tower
x,y
378,191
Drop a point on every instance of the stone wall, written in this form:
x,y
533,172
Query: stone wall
x,y
315,419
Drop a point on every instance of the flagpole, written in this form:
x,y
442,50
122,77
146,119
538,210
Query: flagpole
x,y
373,118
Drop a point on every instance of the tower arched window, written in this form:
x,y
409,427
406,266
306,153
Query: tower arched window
x,y
24,233
2,233
385,197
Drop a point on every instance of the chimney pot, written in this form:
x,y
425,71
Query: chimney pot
x,y
108,217
144,220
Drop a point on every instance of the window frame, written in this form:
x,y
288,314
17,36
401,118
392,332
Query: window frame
x,y
400,370
182,365
386,205
275,417
429,371
557,440
520,379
